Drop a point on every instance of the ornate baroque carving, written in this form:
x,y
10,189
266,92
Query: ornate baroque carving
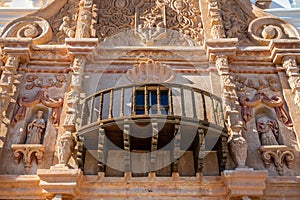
x,y
150,71
36,129
235,21
262,30
7,87
243,82
34,81
260,98
116,16
292,71
64,22
279,155
33,27
65,147
238,145
217,29
268,131
28,152
40,97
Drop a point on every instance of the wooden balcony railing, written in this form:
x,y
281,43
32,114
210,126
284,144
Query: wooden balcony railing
x,y
148,100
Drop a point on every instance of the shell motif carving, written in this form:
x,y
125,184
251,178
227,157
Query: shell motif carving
x,y
150,71
36,28
262,30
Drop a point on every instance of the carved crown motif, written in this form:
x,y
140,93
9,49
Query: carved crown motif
x,y
150,71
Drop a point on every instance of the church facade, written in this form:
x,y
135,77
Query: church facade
x,y
151,99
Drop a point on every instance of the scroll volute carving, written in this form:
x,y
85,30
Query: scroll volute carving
x,y
264,29
36,28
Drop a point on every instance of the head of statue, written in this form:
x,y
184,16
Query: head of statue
x,y
40,113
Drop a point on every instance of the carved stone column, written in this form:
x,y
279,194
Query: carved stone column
x,y
238,145
7,87
292,71
83,29
66,142
217,29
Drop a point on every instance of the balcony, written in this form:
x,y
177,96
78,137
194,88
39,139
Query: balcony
x,y
169,120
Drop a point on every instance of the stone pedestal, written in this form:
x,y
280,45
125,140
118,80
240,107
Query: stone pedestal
x,y
245,182
59,180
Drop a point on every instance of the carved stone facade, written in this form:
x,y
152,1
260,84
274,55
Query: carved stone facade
x,y
149,99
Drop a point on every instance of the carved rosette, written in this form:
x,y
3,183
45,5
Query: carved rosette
x,y
28,152
33,27
280,155
150,71
264,29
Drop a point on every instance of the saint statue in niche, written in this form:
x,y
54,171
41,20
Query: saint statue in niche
x,y
268,130
35,129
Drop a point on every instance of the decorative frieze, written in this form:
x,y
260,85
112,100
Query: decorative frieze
x,y
28,152
33,81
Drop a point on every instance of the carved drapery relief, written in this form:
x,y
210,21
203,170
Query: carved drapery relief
x,y
280,155
149,17
64,22
33,27
292,71
238,145
243,82
217,29
274,102
7,80
28,152
268,130
40,97
235,21
150,71
33,81
262,30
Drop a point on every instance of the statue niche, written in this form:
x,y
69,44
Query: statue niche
x,y
268,131
36,129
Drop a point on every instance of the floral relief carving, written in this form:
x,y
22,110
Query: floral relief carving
x,y
34,81
40,97
149,17
274,102
28,152
242,83
280,155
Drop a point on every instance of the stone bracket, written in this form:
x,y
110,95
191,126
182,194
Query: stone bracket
x,y
279,155
28,152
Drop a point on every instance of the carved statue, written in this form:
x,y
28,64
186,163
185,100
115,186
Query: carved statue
x,y
65,147
66,27
268,130
35,129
